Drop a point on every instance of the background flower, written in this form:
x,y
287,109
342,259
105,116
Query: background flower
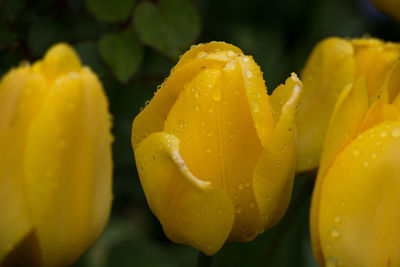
x,y
55,161
354,206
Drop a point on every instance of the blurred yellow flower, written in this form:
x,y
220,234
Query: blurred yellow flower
x,y
388,7
55,161
333,64
355,214
216,154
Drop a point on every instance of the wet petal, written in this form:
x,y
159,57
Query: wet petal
x,y
218,140
328,70
274,172
152,117
345,122
256,93
373,58
359,201
21,94
68,168
191,211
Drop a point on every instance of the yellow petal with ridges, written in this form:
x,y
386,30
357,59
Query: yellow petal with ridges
x,y
345,122
209,49
213,122
274,173
152,117
61,59
70,182
256,93
359,201
373,59
328,70
21,93
191,211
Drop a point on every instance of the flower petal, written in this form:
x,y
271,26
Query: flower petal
x,y
191,211
68,168
373,59
328,70
152,117
274,172
257,96
359,201
345,122
21,94
218,140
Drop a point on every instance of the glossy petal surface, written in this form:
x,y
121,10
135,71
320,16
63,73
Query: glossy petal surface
x,y
190,210
359,201
70,182
274,172
328,70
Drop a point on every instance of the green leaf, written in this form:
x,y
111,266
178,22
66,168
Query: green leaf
x,y
110,11
122,52
169,26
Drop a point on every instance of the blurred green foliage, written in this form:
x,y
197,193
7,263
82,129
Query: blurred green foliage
x,y
132,45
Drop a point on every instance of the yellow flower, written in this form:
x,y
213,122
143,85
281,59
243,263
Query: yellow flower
x,y
216,154
55,161
355,214
389,7
333,64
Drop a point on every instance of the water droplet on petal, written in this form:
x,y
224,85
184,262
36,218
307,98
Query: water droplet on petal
x,y
335,233
230,53
337,219
374,155
366,163
256,107
202,54
396,132
249,74
383,134
356,152
240,186
238,209
197,107
331,262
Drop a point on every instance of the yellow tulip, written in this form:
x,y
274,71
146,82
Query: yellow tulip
x,y
388,7
216,154
333,64
355,215
55,161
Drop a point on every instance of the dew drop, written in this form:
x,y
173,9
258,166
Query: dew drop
x,y
249,74
256,107
197,107
356,152
246,59
378,143
247,184
337,219
383,134
374,155
230,53
240,186
396,133
238,209
196,93
331,262
366,163
217,94
335,233
202,54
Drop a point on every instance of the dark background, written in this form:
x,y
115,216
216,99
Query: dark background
x,y
132,51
